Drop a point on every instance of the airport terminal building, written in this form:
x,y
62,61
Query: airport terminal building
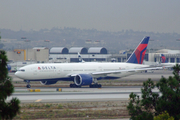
x,y
100,54
172,56
62,54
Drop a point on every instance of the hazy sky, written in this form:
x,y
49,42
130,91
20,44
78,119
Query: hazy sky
x,y
112,15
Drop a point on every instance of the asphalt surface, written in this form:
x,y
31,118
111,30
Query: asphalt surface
x,y
106,93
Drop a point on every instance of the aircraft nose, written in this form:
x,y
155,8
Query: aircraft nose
x,y
21,73
18,74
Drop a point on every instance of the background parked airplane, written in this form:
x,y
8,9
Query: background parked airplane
x,y
165,63
80,58
85,73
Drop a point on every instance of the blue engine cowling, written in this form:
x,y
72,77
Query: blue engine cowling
x,y
83,79
48,82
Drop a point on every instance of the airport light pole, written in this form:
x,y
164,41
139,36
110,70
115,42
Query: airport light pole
x,y
23,38
178,40
27,47
47,41
151,41
150,49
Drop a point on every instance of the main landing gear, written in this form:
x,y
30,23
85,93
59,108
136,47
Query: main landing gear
x,y
28,83
95,85
91,86
74,86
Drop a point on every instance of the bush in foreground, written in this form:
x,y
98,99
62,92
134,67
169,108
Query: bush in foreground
x,y
153,104
8,110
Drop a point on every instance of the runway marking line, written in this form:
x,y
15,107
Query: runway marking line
x,y
38,100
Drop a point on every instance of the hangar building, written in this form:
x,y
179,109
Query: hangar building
x,y
88,54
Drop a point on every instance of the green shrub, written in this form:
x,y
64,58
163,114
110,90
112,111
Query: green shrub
x,y
163,116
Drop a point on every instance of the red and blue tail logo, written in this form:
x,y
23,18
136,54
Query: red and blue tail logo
x,y
163,59
137,56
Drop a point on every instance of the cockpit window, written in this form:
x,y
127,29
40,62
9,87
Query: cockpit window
x,y
22,70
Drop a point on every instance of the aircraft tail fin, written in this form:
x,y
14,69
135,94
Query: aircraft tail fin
x,y
163,59
137,56
80,58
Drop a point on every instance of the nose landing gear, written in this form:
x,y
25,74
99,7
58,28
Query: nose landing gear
x,y
28,83
28,86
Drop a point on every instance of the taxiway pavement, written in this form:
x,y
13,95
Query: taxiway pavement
x,y
106,93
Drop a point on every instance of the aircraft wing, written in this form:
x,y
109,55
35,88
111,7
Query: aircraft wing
x,y
104,73
125,70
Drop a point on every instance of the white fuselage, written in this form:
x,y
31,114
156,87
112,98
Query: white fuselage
x,y
169,64
59,71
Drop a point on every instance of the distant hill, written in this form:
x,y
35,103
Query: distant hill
x,y
68,37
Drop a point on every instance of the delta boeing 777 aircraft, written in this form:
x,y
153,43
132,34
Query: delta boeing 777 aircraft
x,y
85,73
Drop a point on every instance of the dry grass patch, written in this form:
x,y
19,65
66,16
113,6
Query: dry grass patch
x,y
74,110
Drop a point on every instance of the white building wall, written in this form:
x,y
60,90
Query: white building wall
x,y
42,55
13,55
67,57
29,54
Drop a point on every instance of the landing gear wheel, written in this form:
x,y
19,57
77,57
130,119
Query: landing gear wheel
x,y
74,86
28,83
95,86
28,86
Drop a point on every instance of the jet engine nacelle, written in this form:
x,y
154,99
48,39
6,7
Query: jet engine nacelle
x,y
83,79
48,82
